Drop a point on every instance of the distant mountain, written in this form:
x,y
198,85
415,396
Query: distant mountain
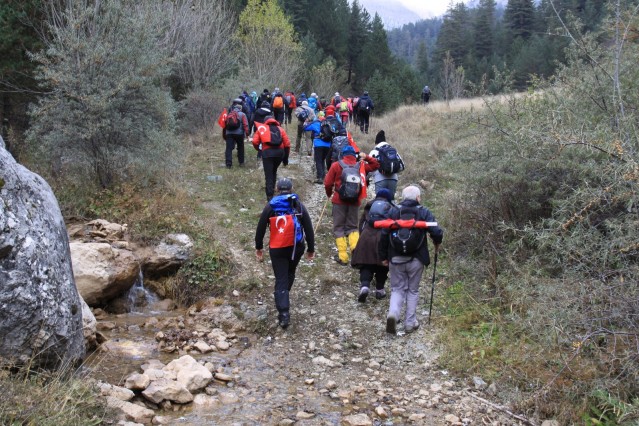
x,y
393,13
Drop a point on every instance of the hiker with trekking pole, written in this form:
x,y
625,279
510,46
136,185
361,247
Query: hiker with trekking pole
x,y
404,249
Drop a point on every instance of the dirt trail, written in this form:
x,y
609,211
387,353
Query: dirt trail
x,y
336,360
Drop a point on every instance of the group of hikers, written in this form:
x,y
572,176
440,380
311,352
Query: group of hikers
x,y
387,238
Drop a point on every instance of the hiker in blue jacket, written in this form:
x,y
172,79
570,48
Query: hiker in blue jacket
x,y
321,149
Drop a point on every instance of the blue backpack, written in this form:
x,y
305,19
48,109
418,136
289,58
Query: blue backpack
x,y
312,102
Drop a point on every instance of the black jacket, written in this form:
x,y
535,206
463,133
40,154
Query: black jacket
x,y
386,251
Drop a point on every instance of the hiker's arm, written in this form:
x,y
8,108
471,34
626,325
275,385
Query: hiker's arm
x,y
382,247
307,224
287,147
371,164
245,124
436,233
256,139
261,227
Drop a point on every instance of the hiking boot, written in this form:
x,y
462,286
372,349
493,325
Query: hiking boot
x,y
380,294
409,329
284,319
391,324
340,261
363,294
319,181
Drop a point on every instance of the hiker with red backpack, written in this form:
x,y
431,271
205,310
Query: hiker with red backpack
x,y
366,255
290,103
272,139
404,249
235,129
390,164
290,224
278,105
345,185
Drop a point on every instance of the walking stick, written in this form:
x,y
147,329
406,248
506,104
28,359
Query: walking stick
x,y
432,290
320,218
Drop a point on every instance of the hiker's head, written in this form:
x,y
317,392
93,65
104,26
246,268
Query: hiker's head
x,y
237,101
304,103
348,150
411,192
284,185
277,89
266,91
321,115
253,93
336,93
384,193
380,137
313,95
365,93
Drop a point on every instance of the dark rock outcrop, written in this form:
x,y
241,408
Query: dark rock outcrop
x,y
40,309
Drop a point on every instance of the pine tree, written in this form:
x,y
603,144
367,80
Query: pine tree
x,y
483,29
377,55
421,60
358,32
519,17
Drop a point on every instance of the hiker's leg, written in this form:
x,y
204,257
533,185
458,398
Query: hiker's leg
x,y
399,287
298,140
292,265
414,270
319,162
240,148
228,153
381,275
269,179
365,276
280,261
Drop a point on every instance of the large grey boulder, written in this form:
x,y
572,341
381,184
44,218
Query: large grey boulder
x,y
40,310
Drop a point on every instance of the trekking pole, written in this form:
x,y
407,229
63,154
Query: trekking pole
x,y
321,214
432,290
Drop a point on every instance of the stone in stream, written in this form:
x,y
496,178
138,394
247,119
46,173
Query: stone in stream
x,y
356,420
170,390
190,373
131,411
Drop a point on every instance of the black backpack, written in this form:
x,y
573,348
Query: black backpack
x,y
351,186
233,120
329,128
363,105
276,135
407,241
339,142
379,210
389,161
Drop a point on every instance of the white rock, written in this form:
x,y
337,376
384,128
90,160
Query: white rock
x,y
303,415
161,420
331,385
190,373
550,423
202,347
137,381
161,390
451,418
131,411
204,400
223,377
435,387
320,360
357,420
222,345
117,392
228,398
381,413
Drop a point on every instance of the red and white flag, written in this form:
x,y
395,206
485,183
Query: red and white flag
x,y
221,120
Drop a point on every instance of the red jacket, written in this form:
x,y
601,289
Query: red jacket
x,y
263,135
333,178
293,103
329,110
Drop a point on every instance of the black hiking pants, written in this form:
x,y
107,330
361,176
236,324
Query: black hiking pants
x,y
320,157
378,272
271,164
284,264
278,114
231,142
364,119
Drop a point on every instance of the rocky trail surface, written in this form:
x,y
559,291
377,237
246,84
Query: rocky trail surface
x,y
335,364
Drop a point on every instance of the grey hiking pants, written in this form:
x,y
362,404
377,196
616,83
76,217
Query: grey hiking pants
x,y
404,282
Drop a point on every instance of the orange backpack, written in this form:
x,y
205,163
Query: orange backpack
x,y
278,102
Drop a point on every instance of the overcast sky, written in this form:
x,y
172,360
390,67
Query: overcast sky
x,y
426,8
